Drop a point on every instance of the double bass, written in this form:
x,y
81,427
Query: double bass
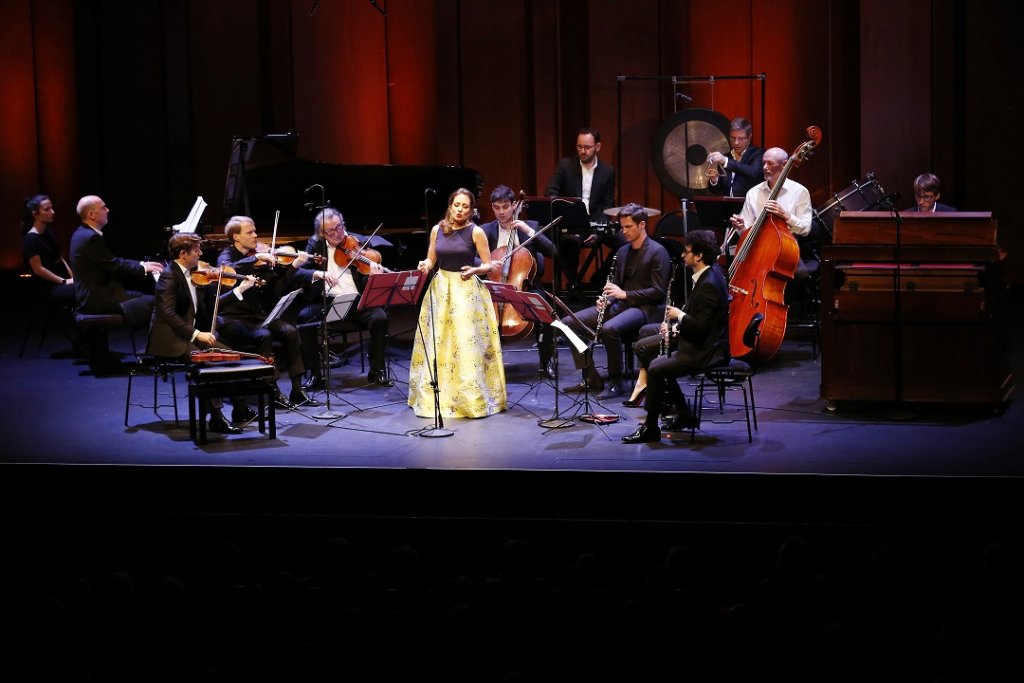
x,y
766,259
521,267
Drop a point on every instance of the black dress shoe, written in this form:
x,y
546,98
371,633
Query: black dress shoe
x,y
299,399
220,425
613,389
282,402
681,423
643,434
379,378
636,402
592,387
315,383
547,370
243,415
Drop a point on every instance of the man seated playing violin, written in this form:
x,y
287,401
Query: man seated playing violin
x,y
346,272
182,310
243,317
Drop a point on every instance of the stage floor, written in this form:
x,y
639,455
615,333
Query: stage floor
x,y
54,415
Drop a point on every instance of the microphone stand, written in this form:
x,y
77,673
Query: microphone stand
x,y
555,422
437,430
325,351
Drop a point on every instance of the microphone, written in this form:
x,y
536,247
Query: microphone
x,y
310,188
684,98
312,10
426,208
379,8
310,206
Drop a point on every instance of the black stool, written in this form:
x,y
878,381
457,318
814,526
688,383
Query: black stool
x,y
95,329
235,378
162,368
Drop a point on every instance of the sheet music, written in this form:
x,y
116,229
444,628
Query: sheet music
x,y
340,306
192,222
282,304
570,335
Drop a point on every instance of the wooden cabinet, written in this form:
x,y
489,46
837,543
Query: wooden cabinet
x,y
920,320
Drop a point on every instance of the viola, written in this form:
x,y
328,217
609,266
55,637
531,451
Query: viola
x,y
348,251
515,271
204,275
766,259
226,356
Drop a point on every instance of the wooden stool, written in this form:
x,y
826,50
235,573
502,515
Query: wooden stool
x,y
235,378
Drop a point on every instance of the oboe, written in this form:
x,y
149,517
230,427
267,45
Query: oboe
x,y
666,335
600,313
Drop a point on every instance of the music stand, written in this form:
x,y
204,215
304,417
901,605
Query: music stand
x,y
336,312
582,404
575,219
383,290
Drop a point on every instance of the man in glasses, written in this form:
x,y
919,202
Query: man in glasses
x,y
927,191
733,175
584,176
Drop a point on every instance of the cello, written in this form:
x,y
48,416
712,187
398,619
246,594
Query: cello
x,y
766,258
516,270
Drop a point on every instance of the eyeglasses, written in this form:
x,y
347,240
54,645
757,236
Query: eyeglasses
x,y
739,138
585,148
929,196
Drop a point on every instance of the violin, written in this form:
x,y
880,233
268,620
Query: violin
x,y
348,250
285,255
204,275
226,356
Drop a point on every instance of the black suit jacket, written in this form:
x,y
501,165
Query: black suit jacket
x,y
567,181
97,288
647,287
938,207
743,175
174,316
539,247
704,330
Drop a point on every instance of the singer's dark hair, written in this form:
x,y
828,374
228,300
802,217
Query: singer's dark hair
x,y
446,226
587,130
634,211
32,205
502,193
704,243
740,123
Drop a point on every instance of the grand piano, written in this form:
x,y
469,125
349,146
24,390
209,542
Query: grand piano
x,y
265,175
915,315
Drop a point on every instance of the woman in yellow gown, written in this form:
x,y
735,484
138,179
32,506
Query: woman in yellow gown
x,y
457,322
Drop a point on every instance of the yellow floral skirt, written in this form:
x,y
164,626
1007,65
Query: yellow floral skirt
x,y
470,370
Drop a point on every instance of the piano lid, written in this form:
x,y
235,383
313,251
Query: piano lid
x,y
265,176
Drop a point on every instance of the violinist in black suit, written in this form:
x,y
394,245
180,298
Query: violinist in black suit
x,y
734,175
584,176
181,310
329,236
242,325
498,232
703,339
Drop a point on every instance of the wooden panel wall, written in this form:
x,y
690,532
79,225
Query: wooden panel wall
x,y
138,102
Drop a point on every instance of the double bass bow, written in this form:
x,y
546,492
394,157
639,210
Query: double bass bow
x,y
766,258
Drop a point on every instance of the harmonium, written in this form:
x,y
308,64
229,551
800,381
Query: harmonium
x,y
913,309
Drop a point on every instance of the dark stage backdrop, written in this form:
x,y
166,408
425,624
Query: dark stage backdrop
x,y
138,102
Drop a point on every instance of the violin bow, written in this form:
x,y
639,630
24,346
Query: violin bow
x,y
273,236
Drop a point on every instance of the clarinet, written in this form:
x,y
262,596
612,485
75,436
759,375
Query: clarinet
x,y
667,334
600,314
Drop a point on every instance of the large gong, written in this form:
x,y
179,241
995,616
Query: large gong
x,y
682,145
